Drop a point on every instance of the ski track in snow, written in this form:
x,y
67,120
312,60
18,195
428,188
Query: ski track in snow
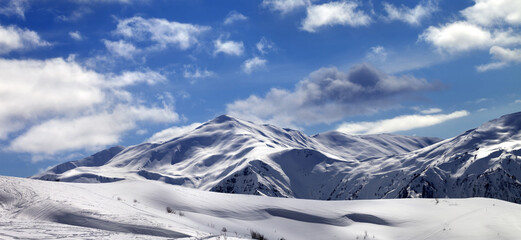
x,y
130,209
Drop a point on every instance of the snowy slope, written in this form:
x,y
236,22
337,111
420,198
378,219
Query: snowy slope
x,y
136,209
484,162
236,156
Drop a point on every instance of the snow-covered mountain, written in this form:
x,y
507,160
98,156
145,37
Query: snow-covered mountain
x,y
235,156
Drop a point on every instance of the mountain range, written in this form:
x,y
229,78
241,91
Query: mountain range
x,y
235,156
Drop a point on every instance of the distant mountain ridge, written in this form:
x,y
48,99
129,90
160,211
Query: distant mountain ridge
x,y
236,156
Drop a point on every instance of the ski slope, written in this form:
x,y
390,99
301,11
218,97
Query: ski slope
x,y
136,209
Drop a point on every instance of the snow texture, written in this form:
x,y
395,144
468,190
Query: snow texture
x,y
235,156
145,209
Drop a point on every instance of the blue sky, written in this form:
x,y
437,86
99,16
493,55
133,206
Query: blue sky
x,y
78,76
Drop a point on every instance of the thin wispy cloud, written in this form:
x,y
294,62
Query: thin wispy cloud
x,y
233,17
411,16
253,64
285,6
400,123
228,47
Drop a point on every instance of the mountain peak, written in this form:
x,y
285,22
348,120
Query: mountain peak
x,y
224,118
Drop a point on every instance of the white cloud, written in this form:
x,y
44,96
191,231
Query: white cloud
x,y
55,92
76,35
431,111
121,48
504,56
228,47
412,16
264,45
13,38
233,17
488,24
328,95
171,133
194,72
334,13
76,14
400,123
87,132
161,32
458,36
253,64
285,6
15,7
377,53
132,78
494,12
518,101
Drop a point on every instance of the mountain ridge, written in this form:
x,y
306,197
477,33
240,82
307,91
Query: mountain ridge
x,y
236,156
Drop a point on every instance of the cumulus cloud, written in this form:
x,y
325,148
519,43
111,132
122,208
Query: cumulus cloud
x,y
504,57
233,17
285,6
14,7
334,13
171,133
161,33
253,64
400,123
494,12
488,24
328,95
121,48
412,16
464,36
87,132
13,38
54,101
228,47
76,35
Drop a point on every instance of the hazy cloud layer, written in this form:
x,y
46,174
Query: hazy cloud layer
x,y
400,123
329,95
334,13
57,105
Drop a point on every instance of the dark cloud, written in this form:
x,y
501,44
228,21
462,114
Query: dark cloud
x,y
329,95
